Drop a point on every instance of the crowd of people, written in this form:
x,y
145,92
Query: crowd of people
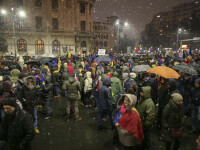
x,y
134,102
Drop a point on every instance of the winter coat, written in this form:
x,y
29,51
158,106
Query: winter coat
x,y
70,68
154,88
195,96
14,75
18,130
88,82
163,96
146,108
48,89
56,78
73,88
7,85
172,116
116,87
30,95
105,101
19,90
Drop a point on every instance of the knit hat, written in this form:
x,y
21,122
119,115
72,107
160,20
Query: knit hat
x,y
10,102
176,97
132,75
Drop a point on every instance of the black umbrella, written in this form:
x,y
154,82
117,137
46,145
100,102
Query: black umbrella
x,y
11,63
185,69
196,67
34,63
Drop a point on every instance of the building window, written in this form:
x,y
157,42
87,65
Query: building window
x,y
105,44
21,45
20,2
38,22
68,3
83,44
38,3
3,45
39,46
82,25
55,23
82,7
106,36
56,46
97,44
95,27
101,44
99,27
55,4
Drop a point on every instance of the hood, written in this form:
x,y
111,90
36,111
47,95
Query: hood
x,y
26,81
15,72
104,76
72,80
172,85
7,85
88,74
106,82
115,74
132,98
147,92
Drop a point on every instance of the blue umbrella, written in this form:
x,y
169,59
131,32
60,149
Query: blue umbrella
x,y
103,58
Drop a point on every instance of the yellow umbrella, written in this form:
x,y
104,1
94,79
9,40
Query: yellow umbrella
x,y
164,72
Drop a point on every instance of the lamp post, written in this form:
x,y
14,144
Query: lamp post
x,y
120,25
179,32
13,16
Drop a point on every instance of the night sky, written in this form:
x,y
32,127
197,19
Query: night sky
x,y
137,12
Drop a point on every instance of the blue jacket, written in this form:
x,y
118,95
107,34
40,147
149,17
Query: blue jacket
x,y
105,101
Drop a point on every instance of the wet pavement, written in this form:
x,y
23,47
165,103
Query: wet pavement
x,y
57,134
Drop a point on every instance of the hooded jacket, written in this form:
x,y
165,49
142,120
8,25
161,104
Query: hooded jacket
x,y
116,87
146,108
14,75
88,82
105,101
72,87
30,94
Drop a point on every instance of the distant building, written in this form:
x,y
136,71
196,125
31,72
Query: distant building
x,y
49,26
105,34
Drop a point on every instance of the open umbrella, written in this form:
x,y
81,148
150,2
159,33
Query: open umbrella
x,y
141,68
164,72
103,58
34,63
185,69
196,67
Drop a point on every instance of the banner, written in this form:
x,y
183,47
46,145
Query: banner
x,y
101,51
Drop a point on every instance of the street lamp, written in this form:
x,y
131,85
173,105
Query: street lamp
x,y
120,25
179,32
21,14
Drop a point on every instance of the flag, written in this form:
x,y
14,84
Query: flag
x,y
69,54
93,52
183,54
140,45
112,64
111,58
137,50
100,66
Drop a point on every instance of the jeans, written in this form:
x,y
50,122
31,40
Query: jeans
x,y
103,112
88,100
57,90
195,117
48,108
147,144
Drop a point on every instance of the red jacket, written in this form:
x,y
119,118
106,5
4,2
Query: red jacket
x,y
70,68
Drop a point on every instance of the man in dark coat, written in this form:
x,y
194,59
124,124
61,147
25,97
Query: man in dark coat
x,y
17,128
105,103
48,94
30,99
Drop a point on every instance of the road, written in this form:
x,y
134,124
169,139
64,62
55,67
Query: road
x,y
57,134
